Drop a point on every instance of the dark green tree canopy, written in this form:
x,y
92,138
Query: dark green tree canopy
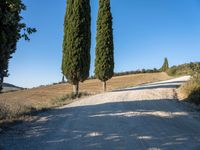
x,y
104,62
77,41
11,30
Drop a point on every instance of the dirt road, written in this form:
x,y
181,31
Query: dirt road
x,y
143,117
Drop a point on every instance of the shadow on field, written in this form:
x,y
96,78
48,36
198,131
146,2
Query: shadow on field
x,y
117,126
173,84
170,82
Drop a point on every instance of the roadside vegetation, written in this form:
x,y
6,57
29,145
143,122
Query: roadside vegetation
x,y
189,91
8,112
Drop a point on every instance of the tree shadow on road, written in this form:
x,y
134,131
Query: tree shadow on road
x,y
145,124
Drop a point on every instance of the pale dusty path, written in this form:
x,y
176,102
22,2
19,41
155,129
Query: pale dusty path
x,y
144,117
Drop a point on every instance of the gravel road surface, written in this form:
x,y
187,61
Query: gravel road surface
x,y
145,117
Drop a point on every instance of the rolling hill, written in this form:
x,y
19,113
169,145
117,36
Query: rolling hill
x,y
10,87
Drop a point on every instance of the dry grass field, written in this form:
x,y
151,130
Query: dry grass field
x,y
44,97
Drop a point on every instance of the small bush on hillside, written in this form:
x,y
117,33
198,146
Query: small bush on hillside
x,y
74,96
192,89
61,100
172,71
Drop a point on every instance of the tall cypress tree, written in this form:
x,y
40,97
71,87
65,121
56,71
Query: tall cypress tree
x,y
76,43
104,62
165,66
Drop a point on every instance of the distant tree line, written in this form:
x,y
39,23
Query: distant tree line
x,y
132,72
164,68
137,72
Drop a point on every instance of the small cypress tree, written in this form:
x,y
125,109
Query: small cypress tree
x,y
165,66
76,42
63,79
104,62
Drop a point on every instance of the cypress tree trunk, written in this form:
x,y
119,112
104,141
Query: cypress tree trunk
x,y
104,86
76,89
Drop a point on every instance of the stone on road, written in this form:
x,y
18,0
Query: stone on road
x,y
143,117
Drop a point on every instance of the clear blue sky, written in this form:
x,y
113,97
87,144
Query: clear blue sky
x,y
145,31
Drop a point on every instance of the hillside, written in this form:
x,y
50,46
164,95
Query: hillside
x,y
45,96
9,87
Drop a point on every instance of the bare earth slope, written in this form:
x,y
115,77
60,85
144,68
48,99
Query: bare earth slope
x,y
143,117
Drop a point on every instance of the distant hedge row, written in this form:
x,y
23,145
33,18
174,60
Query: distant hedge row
x,y
133,72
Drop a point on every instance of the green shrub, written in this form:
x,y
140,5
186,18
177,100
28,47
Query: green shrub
x,y
172,71
194,97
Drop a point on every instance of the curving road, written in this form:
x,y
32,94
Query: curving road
x,y
146,117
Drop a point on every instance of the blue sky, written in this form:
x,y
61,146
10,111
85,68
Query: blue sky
x,y
145,31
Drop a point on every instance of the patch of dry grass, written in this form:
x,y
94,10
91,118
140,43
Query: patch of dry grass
x,y
20,110
10,112
17,103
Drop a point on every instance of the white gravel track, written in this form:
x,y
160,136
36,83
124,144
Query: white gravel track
x,y
144,117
